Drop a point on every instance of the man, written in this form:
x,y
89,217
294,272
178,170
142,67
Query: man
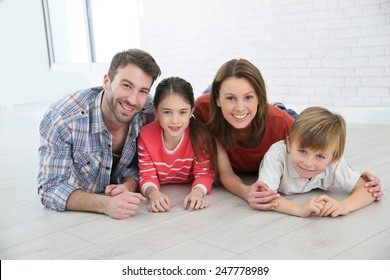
x,y
88,144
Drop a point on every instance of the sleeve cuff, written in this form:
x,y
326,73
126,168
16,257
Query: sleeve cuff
x,y
147,185
201,187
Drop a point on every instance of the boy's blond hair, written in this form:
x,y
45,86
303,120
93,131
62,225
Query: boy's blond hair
x,y
319,129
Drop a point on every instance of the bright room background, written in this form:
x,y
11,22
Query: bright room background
x,y
334,53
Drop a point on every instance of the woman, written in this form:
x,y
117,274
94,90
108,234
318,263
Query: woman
x,y
246,125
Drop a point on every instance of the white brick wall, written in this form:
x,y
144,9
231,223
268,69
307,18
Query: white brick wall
x,y
328,52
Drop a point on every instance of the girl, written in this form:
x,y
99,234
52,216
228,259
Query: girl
x,y
176,148
311,158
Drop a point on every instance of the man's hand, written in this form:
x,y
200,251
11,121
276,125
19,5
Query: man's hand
x,y
122,205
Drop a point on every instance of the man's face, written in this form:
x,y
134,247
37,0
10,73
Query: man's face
x,y
126,95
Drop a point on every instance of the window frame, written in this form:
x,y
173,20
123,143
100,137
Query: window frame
x,y
91,65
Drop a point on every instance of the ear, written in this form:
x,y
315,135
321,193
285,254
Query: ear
x,y
106,81
154,110
218,102
288,145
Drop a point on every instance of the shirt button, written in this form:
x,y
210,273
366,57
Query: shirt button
x,y
107,168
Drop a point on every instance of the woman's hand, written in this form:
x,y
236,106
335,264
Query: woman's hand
x,y
373,185
260,196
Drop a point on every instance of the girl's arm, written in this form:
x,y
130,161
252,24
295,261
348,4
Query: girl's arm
x,y
359,198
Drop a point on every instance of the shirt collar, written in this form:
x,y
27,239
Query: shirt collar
x,y
97,122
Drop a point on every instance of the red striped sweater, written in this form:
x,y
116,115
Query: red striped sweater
x,y
160,166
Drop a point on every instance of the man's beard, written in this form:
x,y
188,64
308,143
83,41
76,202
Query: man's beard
x,y
116,111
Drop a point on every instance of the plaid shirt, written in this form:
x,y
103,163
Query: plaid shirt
x,y
75,148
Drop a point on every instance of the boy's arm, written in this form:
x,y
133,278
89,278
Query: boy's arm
x,y
359,198
305,209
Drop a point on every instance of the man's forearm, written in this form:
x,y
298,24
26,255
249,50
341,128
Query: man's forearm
x,y
88,202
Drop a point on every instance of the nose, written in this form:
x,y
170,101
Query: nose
x,y
240,105
308,162
175,118
132,97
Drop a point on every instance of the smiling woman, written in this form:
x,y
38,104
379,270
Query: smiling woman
x,y
246,125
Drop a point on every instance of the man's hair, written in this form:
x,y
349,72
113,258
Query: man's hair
x,y
319,129
135,56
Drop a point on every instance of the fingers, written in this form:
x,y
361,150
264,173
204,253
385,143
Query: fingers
x,y
109,189
263,206
260,186
263,200
194,203
373,186
262,196
138,195
159,206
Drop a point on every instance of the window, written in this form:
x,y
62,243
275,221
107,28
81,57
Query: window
x,y
85,32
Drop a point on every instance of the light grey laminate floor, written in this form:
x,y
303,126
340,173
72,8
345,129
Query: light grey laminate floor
x,y
227,229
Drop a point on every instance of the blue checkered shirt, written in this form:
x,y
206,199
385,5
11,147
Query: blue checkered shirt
x,y
75,148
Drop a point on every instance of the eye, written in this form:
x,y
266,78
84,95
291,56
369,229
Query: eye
x,y
320,157
249,97
144,92
229,98
301,151
166,112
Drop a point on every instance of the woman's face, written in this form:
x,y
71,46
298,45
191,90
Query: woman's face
x,y
238,102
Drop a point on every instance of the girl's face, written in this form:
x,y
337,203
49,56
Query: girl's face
x,y
307,162
238,102
174,113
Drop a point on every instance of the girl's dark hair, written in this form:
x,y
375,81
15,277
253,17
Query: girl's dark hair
x,y
135,56
238,68
202,139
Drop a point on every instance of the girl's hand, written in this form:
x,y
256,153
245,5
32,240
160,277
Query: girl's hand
x,y
159,202
373,185
260,197
195,200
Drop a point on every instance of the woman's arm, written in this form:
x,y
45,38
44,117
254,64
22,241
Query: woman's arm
x,y
257,198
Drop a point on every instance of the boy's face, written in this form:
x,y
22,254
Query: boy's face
x,y
307,162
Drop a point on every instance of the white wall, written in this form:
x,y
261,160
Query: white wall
x,y
24,65
334,53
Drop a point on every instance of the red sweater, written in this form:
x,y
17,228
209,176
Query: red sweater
x,y
247,160
159,166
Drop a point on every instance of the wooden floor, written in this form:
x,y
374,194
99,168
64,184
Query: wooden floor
x,y
227,229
